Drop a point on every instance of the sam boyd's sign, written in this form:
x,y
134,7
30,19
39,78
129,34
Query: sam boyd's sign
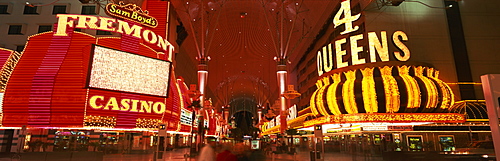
x,y
131,12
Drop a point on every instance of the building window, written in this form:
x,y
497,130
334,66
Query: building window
x,y
3,9
15,29
19,48
28,10
88,10
99,32
44,28
59,9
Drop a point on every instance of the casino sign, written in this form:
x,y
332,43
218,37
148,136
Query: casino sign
x,y
373,88
70,79
131,12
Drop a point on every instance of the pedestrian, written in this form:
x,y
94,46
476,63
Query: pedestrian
x,y
226,154
207,153
241,152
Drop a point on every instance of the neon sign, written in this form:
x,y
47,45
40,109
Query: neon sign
x,y
331,56
111,25
131,12
129,105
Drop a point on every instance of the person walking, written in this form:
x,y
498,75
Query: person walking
x,y
225,154
241,152
207,153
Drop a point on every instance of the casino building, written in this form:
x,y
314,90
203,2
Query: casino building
x,y
402,78
68,90
385,81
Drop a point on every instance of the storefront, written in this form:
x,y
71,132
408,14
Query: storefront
x,y
69,90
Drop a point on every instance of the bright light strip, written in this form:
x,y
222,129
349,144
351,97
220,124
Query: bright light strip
x,y
348,92
391,90
306,129
358,125
368,87
412,88
432,93
121,71
332,96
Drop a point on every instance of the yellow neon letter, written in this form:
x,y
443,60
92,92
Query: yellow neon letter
x,y
125,104
319,63
112,103
159,110
93,102
406,52
113,8
163,43
376,46
339,53
63,23
83,23
134,106
345,9
327,58
145,36
106,23
146,105
355,49
124,26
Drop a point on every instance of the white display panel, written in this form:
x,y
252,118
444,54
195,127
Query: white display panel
x,y
121,71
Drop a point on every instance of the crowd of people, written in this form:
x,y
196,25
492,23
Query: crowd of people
x,y
229,152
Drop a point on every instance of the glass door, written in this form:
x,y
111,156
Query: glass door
x,y
415,142
447,142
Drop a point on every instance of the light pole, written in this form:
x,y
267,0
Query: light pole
x,y
194,94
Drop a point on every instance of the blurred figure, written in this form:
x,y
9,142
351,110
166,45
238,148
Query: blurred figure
x,y
208,151
225,154
257,155
240,150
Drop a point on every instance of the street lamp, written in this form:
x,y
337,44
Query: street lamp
x,y
194,94
291,93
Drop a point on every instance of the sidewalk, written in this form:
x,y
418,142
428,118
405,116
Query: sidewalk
x,y
178,155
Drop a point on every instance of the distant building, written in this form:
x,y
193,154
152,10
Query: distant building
x,y
20,20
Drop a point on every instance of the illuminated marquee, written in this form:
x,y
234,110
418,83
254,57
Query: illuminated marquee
x,y
121,71
331,56
292,113
127,105
111,25
186,117
131,12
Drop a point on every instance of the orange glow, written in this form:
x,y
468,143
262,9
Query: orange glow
x,y
368,86
348,92
389,118
332,97
432,94
399,85
412,88
391,90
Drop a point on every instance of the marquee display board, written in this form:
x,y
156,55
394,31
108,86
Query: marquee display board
x,y
121,71
49,86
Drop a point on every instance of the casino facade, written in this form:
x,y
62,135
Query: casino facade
x,y
384,84
69,90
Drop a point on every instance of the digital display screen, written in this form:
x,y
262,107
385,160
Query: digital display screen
x,y
122,71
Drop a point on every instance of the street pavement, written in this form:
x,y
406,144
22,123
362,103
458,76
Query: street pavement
x,y
182,155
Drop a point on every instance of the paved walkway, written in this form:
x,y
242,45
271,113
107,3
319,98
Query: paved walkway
x,y
179,155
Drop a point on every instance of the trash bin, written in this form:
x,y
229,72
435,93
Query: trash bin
x,y
314,153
